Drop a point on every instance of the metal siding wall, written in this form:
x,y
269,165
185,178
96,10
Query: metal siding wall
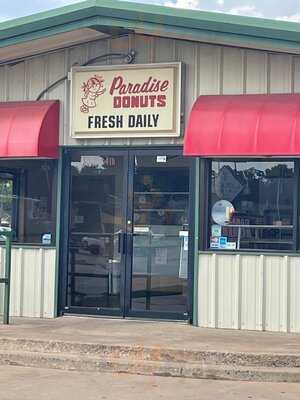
x,y
251,299
207,291
237,293
256,74
32,282
276,293
35,77
233,71
209,70
3,83
254,292
294,280
17,82
189,56
280,73
56,68
296,74
228,292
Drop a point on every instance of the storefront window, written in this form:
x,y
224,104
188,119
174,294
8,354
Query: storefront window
x,y
252,205
28,200
7,201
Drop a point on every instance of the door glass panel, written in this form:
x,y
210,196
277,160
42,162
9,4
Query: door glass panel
x,y
160,234
96,221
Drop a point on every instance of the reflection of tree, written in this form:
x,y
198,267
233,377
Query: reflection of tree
x,y
6,198
86,170
266,191
253,174
74,170
90,170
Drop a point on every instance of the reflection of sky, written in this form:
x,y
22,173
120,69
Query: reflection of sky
x,y
89,161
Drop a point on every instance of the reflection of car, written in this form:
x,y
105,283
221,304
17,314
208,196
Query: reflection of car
x,y
93,245
5,221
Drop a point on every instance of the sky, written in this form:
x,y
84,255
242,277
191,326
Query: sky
x,y
288,10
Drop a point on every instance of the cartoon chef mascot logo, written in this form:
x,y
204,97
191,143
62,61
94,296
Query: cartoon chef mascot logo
x,y
92,88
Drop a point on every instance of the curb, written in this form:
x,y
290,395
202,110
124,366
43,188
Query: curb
x,y
152,368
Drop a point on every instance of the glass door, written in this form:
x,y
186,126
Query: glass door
x,y
159,261
128,233
98,195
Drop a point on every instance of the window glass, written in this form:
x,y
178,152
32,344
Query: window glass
x,y
160,233
28,200
7,201
95,230
252,205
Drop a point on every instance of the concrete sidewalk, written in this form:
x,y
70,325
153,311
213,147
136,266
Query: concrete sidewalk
x,y
173,335
48,384
150,348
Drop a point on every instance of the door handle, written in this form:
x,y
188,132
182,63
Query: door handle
x,y
121,242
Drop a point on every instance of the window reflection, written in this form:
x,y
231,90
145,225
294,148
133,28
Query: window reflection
x,y
160,234
7,197
28,200
95,225
261,194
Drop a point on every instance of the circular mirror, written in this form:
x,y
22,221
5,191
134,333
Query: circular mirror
x,y
222,212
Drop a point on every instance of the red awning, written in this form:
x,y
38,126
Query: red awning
x,y
244,125
29,129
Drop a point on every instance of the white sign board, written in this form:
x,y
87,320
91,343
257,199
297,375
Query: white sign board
x,y
126,101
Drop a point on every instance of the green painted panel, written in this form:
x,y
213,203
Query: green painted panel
x,y
194,24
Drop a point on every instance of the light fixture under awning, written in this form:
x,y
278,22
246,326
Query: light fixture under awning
x,y
29,129
244,125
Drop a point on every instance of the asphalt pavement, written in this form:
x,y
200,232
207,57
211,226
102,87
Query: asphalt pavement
x,y
20,383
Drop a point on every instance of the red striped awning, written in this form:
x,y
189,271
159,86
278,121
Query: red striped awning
x,y
244,125
29,129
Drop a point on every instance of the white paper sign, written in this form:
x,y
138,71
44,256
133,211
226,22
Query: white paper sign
x,y
161,159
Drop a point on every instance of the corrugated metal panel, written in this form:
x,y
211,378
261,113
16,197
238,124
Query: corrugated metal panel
x,y
208,290
256,74
233,71
209,70
296,74
236,294
293,298
32,282
251,276
280,74
228,292
255,292
276,293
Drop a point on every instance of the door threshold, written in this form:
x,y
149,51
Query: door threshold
x,y
135,319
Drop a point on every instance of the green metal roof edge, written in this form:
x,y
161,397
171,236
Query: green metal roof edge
x,y
153,17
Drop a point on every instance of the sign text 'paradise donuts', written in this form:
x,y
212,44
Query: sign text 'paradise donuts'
x,y
126,101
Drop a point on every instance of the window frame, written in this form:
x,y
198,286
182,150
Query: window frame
x,y
15,177
205,205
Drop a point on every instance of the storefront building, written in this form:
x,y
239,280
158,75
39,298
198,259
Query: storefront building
x,y
149,165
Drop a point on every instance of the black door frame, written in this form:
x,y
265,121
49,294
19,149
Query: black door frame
x,y
65,227
126,267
